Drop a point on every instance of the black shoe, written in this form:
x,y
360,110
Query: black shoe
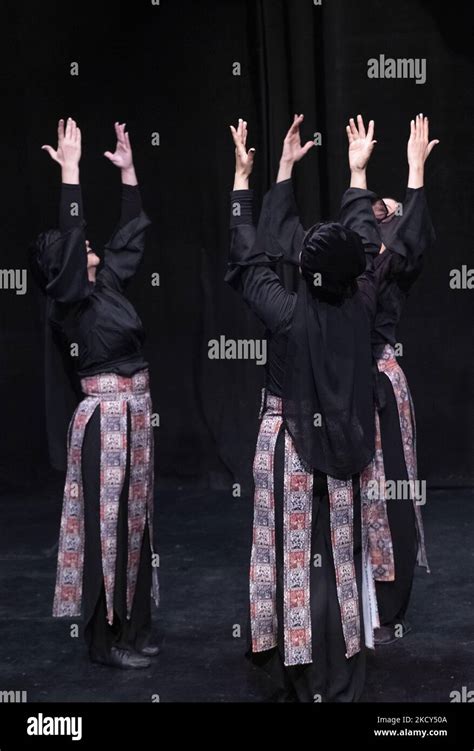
x,y
124,659
150,650
390,634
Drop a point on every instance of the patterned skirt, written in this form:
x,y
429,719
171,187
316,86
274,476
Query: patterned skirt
x,y
377,554
115,396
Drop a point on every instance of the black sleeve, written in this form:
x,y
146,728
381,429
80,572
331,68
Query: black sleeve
x,y
414,234
356,213
66,271
370,281
279,229
124,251
131,204
250,272
70,207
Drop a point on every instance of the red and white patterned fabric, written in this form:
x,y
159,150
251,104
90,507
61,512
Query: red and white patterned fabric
x,y
372,488
114,395
297,512
388,364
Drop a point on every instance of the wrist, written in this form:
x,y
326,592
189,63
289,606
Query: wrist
x,y
285,170
358,179
129,176
70,174
416,168
415,176
241,181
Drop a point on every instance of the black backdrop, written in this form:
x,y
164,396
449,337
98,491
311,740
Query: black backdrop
x,y
168,68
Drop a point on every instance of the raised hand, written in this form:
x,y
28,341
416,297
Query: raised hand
x,y
419,146
361,143
122,157
293,151
68,151
243,158
418,150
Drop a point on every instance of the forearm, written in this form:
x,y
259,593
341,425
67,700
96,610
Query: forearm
x,y
241,181
70,174
359,179
129,176
357,214
131,204
285,170
70,206
415,176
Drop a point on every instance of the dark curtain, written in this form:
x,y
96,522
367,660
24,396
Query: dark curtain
x,y
169,69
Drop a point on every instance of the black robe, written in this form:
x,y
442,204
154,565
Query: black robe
x,y
330,677
409,239
97,319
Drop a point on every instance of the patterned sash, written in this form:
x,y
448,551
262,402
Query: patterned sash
x,y
388,364
297,512
113,394
374,506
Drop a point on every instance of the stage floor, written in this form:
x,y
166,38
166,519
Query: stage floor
x,y
203,539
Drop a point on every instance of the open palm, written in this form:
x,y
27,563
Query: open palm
x,y
122,157
293,151
361,143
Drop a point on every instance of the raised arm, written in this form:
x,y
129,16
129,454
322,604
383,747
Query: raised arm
x,y
410,234
356,206
66,259
250,270
124,250
280,217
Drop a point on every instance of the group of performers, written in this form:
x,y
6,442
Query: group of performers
x,y
332,562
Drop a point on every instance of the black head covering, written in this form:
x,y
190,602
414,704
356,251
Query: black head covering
x,y
328,372
62,387
388,221
43,257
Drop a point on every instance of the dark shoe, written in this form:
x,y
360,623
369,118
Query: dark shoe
x,y
150,650
390,634
124,659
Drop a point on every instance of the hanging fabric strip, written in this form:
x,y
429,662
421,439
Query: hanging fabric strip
x,y
297,513
113,395
388,364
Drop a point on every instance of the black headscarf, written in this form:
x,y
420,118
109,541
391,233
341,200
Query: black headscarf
x,y
388,221
62,386
328,373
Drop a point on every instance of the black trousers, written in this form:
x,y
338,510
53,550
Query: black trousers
x,y
98,634
393,597
331,677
